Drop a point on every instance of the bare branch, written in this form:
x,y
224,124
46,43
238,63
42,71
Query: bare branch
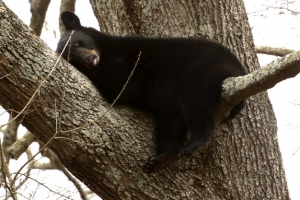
x,y
114,102
44,185
7,175
29,157
66,5
239,88
38,10
36,91
10,136
20,146
56,164
273,51
4,76
39,87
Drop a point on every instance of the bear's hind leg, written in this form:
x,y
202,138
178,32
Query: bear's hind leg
x,y
197,139
170,136
200,125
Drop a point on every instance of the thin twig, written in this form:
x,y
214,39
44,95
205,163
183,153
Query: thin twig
x,y
39,87
4,76
48,142
55,116
124,84
64,90
109,108
44,185
41,149
29,156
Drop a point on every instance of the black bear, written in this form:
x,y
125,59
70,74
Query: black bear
x,y
177,80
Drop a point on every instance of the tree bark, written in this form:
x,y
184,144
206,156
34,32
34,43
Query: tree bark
x,y
242,160
38,10
65,5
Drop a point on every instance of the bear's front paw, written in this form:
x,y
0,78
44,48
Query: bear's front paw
x,y
149,166
157,163
191,147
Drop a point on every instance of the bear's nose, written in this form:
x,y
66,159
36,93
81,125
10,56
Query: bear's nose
x,y
90,58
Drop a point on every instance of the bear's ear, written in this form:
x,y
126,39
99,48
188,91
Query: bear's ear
x,y
70,20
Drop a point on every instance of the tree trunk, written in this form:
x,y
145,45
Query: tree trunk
x,y
242,160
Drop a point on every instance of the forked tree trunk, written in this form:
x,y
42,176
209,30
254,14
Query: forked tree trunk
x,y
242,160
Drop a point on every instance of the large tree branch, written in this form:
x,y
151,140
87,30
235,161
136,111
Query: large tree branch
x,y
239,88
106,152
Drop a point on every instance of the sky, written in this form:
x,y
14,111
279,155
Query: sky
x,y
270,27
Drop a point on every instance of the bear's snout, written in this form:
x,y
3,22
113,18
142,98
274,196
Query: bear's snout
x,y
92,59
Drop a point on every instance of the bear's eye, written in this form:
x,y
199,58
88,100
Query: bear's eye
x,y
78,44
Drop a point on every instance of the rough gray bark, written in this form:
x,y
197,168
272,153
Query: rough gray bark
x,y
242,161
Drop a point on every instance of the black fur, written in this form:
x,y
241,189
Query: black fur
x,y
178,80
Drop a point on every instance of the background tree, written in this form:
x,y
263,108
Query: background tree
x,y
212,173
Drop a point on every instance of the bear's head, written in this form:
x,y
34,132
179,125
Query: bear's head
x,y
82,50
